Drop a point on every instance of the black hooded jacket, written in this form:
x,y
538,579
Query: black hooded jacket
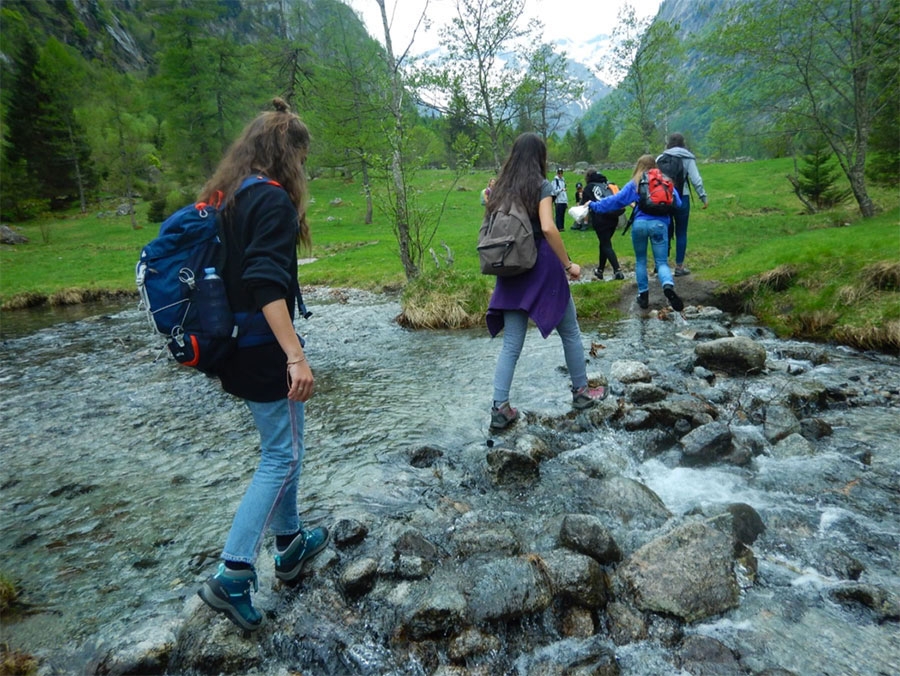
x,y
592,193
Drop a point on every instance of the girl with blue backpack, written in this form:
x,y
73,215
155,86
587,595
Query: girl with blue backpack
x,y
262,227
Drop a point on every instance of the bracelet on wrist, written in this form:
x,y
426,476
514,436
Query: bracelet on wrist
x,y
297,361
569,266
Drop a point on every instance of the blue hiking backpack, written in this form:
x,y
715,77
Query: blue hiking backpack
x,y
180,289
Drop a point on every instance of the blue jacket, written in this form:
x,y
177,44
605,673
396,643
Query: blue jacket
x,y
626,196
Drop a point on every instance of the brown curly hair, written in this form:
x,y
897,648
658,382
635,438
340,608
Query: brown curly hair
x,y
274,144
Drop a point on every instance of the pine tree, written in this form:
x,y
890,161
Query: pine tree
x,y
818,177
20,184
63,153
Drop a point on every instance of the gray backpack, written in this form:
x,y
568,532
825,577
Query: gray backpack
x,y
506,242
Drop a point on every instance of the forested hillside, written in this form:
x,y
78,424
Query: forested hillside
x,y
137,99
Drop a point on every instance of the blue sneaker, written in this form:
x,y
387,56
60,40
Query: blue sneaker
x,y
228,591
289,563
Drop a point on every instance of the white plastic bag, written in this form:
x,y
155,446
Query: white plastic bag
x,y
579,213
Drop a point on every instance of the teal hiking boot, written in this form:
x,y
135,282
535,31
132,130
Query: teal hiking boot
x,y
228,592
289,563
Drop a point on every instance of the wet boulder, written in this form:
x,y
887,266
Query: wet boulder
x,y
439,611
594,656
358,577
706,444
511,466
793,445
597,463
705,656
483,538
631,503
884,603
748,440
471,642
209,644
626,624
746,523
575,578
687,573
508,588
737,356
629,371
587,534
644,393
145,651
347,532
669,412
780,423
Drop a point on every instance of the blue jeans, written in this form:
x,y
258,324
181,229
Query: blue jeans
x,y
657,233
515,322
681,216
270,501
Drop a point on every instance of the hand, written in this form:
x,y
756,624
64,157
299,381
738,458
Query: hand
x,y
300,381
706,204
574,271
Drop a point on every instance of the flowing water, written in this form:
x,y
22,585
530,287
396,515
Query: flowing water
x,y
120,472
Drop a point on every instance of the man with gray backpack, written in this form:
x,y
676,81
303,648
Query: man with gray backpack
x,y
679,164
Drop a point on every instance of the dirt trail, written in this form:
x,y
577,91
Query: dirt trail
x,y
692,289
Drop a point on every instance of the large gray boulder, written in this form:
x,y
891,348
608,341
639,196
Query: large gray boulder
x,y
738,355
687,573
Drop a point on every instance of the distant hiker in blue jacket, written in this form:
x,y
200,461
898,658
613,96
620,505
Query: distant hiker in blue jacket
x,y
646,227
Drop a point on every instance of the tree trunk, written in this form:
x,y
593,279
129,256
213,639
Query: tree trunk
x,y
401,206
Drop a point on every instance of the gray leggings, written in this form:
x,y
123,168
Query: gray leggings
x,y
515,323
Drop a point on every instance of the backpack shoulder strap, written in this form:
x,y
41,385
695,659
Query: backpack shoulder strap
x,y
255,180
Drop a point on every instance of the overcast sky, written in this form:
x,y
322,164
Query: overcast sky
x,y
562,19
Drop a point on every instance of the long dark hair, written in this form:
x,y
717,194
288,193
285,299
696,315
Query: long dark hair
x,y
522,174
274,144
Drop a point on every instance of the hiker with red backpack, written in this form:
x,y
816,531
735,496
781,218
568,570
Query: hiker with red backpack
x,y
655,199
679,164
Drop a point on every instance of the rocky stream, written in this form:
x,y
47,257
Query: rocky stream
x,y
732,507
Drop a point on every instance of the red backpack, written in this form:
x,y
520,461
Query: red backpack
x,y
656,193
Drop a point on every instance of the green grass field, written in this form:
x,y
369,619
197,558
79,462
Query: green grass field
x,y
754,225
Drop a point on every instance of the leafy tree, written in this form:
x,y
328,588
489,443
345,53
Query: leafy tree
x,y
823,65
458,126
547,90
121,136
414,226
202,84
883,166
579,144
480,69
347,93
650,57
600,141
724,137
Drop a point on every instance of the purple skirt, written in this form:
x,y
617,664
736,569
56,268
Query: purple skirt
x,y
542,292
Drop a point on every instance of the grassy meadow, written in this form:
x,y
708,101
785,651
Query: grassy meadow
x,y
829,276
